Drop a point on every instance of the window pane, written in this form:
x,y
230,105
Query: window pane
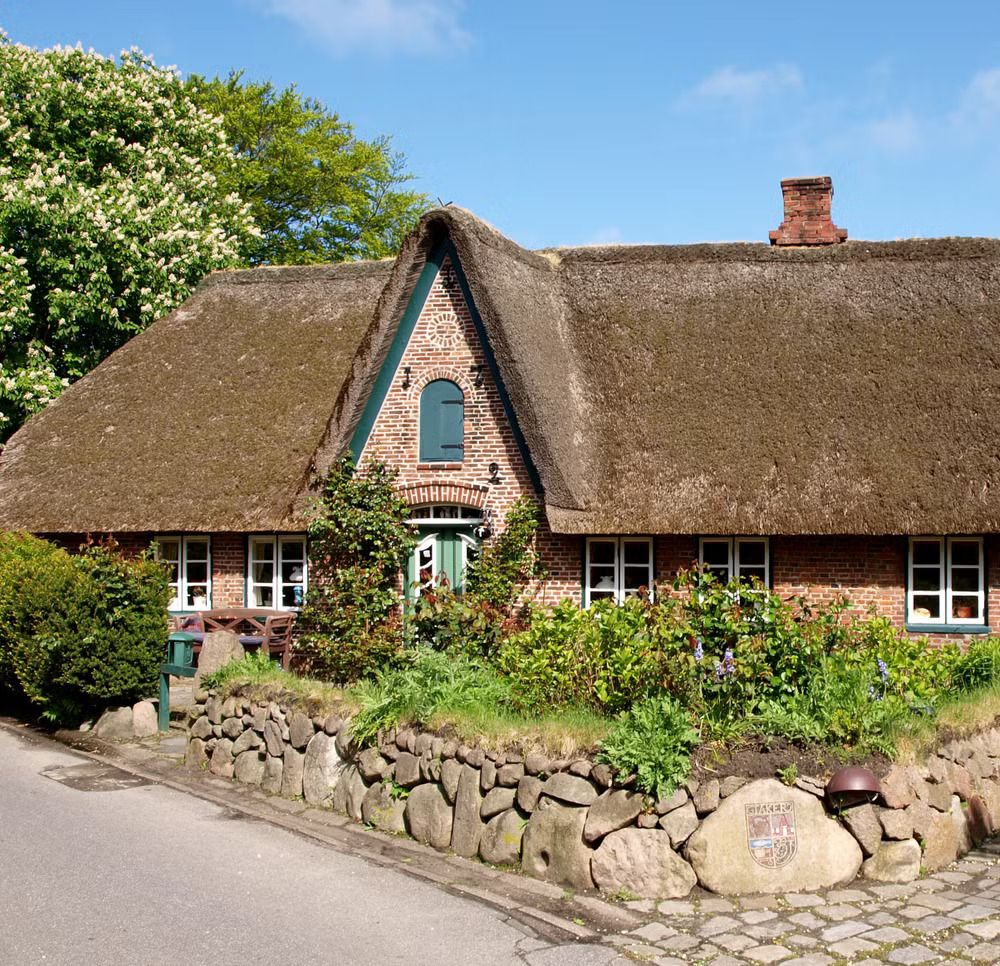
x,y
602,578
715,553
926,578
602,551
197,550
636,577
926,552
263,572
965,579
262,549
263,596
747,573
636,552
965,608
197,595
169,550
598,594
721,574
173,572
926,606
197,572
965,552
293,550
291,596
751,553
292,572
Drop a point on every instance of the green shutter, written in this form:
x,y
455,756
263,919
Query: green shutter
x,y
442,422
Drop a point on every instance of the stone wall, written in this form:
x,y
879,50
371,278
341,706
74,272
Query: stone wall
x,y
574,823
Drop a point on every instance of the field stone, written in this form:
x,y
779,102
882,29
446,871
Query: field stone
x,y
407,769
570,789
249,768
611,811
222,759
232,727
321,769
196,755
332,723
896,790
217,649
345,741
115,724
300,730
826,854
553,846
647,820
380,809
144,720
528,790
642,862
259,719
680,823
371,765
429,817
468,825
213,710
672,802
536,763
896,823
501,840
202,728
350,792
862,822
497,800
581,768
730,784
451,772
272,739
291,774
249,739
216,731
603,774
475,757
510,775
706,798
922,817
979,820
273,769
487,775
893,862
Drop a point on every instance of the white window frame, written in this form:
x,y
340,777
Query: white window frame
x,y
946,593
735,567
179,603
445,515
620,593
431,541
276,584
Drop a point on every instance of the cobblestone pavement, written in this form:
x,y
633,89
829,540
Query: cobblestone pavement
x,y
952,916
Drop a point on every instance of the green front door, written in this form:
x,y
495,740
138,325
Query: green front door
x,y
440,556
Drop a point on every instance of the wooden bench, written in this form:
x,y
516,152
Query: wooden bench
x,y
257,628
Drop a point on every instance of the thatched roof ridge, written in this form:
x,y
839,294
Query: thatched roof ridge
x,y
206,421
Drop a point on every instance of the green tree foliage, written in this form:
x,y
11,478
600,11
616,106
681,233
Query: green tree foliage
x,y
358,544
78,632
317,191
112,206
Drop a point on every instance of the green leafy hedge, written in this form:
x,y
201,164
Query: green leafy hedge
x,y
79,631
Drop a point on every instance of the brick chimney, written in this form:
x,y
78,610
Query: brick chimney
x,y
807,214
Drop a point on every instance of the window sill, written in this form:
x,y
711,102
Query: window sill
x,y
439,466
948,628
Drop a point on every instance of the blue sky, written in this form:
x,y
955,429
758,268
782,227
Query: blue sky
x,y
574,122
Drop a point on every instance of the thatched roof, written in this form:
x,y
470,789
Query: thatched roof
x,y
733,388
206,421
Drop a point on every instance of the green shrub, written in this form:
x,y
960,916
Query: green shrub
x,y
654,739
605,657
255,667
358,544
426,684
81,631
979,666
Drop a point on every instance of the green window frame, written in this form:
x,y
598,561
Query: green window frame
x,y
442,422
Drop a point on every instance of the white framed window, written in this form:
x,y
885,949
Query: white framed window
x,y
277,571
729,557
189,560
617,568
946,581
445,515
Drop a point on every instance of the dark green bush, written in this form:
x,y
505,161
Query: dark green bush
x,y
79,632
654,740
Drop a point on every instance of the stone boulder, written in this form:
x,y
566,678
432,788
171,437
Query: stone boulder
x,y
497,800
893,862
451,772
196,755
383,811
115,724
611,811
570,789
501,840
300,730
862,822
321,769
144,719
221,763
291,773
249,768
429,816
273,770
217,649
680,823
553,846
768,838
641,861
468,825
350,793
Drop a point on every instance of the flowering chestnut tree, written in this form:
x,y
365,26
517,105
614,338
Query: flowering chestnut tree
x,y
110,211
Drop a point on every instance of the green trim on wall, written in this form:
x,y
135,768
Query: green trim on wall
x,y
399,342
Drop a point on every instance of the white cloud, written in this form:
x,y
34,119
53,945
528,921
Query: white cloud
x,y
742,89
979,106
385,26
896,133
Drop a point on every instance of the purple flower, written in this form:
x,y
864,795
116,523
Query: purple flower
x,y
883,669
718,671
729,661
699,651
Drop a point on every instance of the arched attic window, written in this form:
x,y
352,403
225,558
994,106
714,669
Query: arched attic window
x,y
442,422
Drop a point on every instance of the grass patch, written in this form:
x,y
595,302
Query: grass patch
x,y
958,716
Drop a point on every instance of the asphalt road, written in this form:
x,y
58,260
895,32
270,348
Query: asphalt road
x,y
98,871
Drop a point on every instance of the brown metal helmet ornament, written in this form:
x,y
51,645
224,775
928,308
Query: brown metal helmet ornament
x,y
852,786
